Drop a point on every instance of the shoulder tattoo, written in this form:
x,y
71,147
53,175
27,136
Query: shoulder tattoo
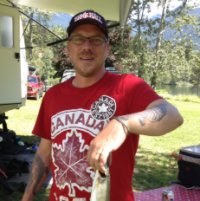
x,y
153,115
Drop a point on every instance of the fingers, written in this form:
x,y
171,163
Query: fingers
x,y
108,140
103,160
97,158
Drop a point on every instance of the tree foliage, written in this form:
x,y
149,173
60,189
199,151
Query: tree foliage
x,y
165,60
38,34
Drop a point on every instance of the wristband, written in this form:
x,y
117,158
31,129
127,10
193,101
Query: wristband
x,y
126,130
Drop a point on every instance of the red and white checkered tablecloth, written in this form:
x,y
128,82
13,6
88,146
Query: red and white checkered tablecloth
x,y
180,194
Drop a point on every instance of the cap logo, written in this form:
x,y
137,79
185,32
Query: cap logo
x,y
86,15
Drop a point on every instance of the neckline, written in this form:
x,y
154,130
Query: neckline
x,y
89,87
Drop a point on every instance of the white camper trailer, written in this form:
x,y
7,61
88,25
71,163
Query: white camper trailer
x,y
13,66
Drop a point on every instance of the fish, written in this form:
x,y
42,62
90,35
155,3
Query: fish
x,y
101,186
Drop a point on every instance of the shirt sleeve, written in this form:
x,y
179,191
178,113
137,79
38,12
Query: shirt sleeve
x,y
42,127
138,93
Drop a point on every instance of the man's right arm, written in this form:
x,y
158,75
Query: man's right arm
x,y
39,170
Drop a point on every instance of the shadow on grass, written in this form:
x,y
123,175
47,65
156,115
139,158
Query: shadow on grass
x,y
30,139
42,195
153,170
17,187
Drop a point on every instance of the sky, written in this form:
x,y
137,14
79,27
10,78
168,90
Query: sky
x,y
61,19
155,10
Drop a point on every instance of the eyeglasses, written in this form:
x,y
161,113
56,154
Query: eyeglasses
x,y
80,40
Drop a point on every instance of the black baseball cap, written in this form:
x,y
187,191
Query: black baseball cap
x,y
88,17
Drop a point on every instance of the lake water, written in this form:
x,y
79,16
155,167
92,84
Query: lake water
x,y
181,90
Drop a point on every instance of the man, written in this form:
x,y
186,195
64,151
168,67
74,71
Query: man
x,y
91,116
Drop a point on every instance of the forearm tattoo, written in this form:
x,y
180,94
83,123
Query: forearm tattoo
x,y
153,114
37,171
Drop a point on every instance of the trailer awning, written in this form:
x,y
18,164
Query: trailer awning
x,y
114,10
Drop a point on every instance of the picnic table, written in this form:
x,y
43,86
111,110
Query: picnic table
x,y
180,194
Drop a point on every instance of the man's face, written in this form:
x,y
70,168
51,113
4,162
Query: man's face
x,y
87,49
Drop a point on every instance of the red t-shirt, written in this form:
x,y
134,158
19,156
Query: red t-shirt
x,y
71,117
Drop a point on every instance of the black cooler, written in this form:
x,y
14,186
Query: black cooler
x,y
189,166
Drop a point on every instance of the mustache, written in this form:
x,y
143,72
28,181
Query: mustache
x,y
86,53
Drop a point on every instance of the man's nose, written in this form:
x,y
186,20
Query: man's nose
x,y
87,42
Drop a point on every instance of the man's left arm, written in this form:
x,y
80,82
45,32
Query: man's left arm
x,y
158,118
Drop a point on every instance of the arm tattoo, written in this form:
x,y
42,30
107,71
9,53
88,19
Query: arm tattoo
x,y
37,171
154,114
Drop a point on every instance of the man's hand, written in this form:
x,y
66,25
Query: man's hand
x,y
108,140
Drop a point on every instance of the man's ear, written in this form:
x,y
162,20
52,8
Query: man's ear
x,y
65,50
107,49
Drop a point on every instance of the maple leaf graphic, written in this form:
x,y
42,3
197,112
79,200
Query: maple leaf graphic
x,y
72,169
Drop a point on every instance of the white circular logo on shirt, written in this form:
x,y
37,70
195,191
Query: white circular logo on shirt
x,y
104,108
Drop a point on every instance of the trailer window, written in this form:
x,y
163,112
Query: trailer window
x,y
6,31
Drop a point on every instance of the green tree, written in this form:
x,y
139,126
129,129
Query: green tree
x,y
163,60
38,34
139,20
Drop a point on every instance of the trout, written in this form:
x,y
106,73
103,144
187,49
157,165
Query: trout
x,y
101,186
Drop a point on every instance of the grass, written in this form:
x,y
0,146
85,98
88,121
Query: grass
x,y
22,120
155,166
